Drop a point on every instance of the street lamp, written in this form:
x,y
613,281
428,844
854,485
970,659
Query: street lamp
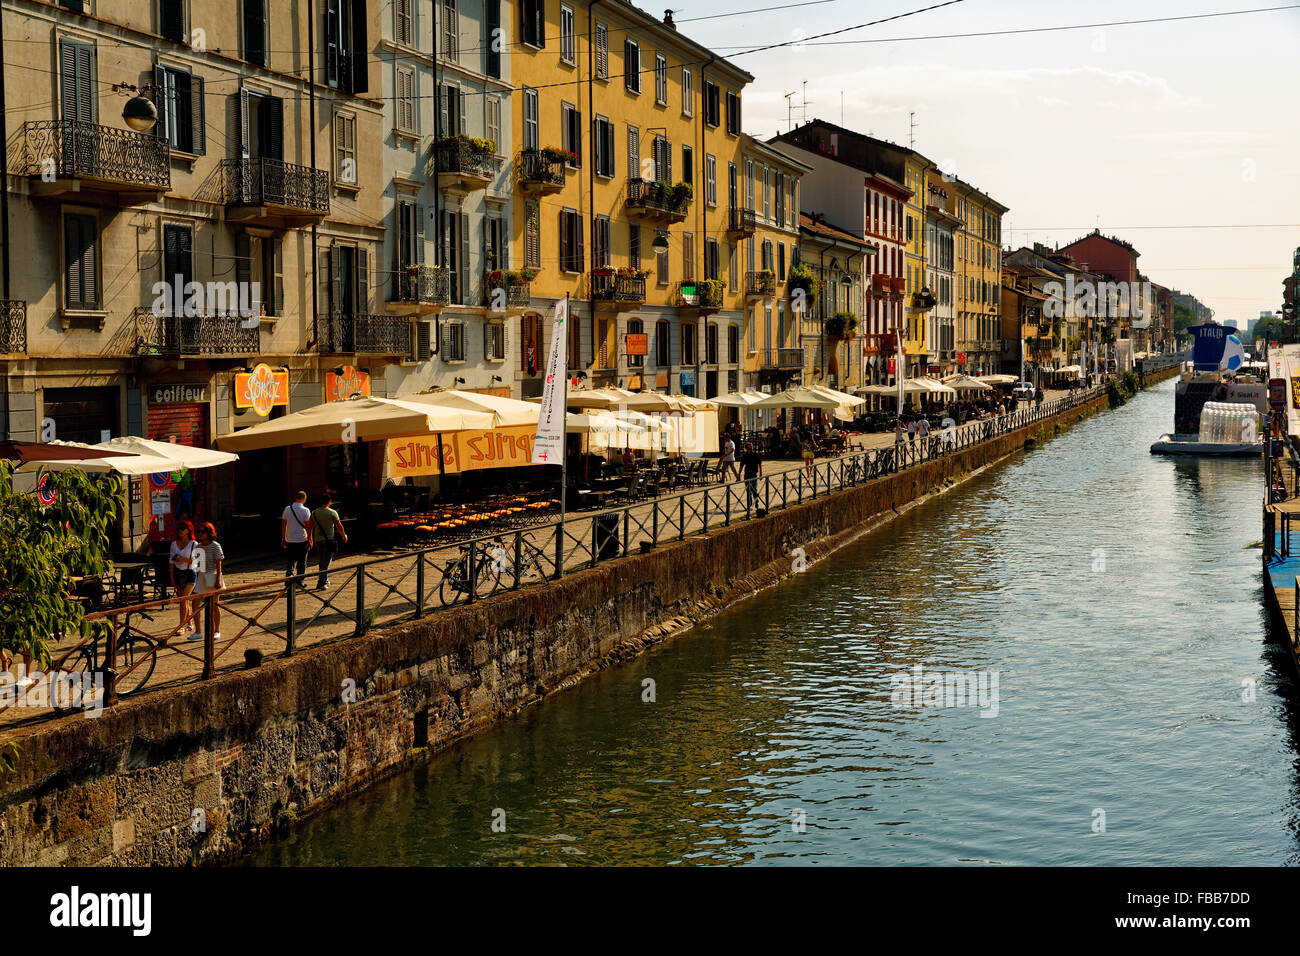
x,y
140,113
660,243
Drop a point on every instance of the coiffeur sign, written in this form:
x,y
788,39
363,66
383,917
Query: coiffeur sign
x,y
262,389
345,383
508,447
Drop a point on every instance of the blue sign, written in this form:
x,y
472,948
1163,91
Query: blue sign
x,y
1210,340
688,378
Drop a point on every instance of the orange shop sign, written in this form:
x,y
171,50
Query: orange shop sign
x,y
346,382
507,447
638,343
262,389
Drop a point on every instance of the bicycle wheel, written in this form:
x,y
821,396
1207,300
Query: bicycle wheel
x,y
487,579
136,655
452,588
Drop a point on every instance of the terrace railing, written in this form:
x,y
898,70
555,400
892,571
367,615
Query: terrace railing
x,y
273,182
341,333
91,151
177,335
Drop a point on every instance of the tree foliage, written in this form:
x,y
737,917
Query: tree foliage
x,y
41,547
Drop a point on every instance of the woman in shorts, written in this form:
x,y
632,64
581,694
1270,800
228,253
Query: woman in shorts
x,y
182,557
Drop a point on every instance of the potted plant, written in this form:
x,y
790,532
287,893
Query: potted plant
x,y
681,195
840,327
496,276
800,277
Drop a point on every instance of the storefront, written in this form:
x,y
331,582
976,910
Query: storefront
x,y
176,413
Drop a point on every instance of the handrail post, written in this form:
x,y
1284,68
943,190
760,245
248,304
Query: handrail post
x,y
594,526
726,508
681,514
472,567
419,583
361,601
725,488
627,545
290,615
209,641
654,534
519,558
559,548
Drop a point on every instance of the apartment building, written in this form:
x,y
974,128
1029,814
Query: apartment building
x,y
196,222
627,184
831,332
448,193
941,223
978,271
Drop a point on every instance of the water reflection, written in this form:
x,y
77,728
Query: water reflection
x,y
1115,595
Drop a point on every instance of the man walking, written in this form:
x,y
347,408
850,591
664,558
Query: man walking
x,y
327,531
923,427
752,464
729,458
295,535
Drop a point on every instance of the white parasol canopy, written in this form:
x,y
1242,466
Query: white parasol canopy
x,y
739,399
509,411
139,456
798,396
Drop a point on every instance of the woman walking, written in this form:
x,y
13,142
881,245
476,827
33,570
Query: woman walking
x,y
207,561
182,559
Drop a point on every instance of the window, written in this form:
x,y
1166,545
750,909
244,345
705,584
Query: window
x,y
688,164
767,255
751,336
81,261
710,179
710,258
780,199
603,146
780,262
493,38
688,343
345,149
496,250
492,118
567,54
749,184
404,103
688,255
255,31
178,261
533,25
600,242
661,266
767,194
663,344
451,118
77,93
733,344
663,159
171,19
571,256
180,104
450,30
712,115
602,51
711,343
733,114
571,134
409,248
733,273
632,65
688,92
635,327
346,66
634,245
532,131
453,342
661,79
794,204
494,342
260,259
633,152
532,235
403,18
530,356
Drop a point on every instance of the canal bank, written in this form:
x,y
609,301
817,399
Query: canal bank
x,y
206,771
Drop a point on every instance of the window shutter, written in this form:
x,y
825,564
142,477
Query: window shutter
x,y
171,20
165,101
72,253
464,257
421,341
359,59
492,13
609,149
255,32
331,42
335,280
363,281
198,112
273,111
580,257
417,235
243,258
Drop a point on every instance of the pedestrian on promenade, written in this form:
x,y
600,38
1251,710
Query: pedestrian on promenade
x,y
182,555
327,531
751,462
729,458
911,429
295,534
208,560
923,427
1038,396
809,453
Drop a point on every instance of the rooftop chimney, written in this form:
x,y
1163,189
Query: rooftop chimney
x,y
668,19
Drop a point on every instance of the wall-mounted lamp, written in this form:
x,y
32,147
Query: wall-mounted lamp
x,y
660,243
458,380
139,112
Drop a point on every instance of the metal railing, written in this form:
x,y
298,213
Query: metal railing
x,y
460,156
91,151
702,294
282,614
273,182
13,327
537,170
340,332
762,282
176,335
782,358
654,197
612,287
427,285
518,292
742,221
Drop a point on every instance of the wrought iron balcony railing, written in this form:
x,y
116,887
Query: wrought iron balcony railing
x,y
340,333
783,358
13,327
538,172
705,295
760,283
611,287
742,221
656,199
517,292
273,182
90,151
176,335
458,155
423,285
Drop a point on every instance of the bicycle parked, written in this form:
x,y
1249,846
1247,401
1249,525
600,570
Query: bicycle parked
x,y
135,655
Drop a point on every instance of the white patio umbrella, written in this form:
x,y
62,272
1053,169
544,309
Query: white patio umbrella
x,y
139,456
964,383
509,411
739,399
798,396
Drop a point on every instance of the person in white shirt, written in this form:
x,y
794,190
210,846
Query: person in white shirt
x,y
923,427
729,458
911,428
295,535
182,551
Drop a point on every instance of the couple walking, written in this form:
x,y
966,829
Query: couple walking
x,y
302,529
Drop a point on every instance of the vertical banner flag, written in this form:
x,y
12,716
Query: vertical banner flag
x,y
1083,361
902,368
548,447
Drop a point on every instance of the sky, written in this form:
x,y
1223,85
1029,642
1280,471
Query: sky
x,y
1186,123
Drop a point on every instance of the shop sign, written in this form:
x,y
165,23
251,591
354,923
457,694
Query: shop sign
x,y
262,389
634,383
688,378
507,447
891,365
346,382
1277,393
961,358
178,394
1295,392
638,343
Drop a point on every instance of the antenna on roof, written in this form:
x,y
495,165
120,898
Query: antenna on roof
x,y
805,101
789,110
911,131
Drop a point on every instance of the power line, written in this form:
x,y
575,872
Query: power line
x,y
1114,229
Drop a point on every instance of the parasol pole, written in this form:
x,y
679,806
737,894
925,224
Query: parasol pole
x,y
564,441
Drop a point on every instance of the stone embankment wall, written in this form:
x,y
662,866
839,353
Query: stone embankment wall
x,y
205,771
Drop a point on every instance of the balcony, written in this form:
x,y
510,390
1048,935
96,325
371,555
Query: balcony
x,y
541,172
342,334
275,193
176,336
610,290
880,284
704,296
761,283
503,291
784,359
13,327
897,285
465,165
420,290
741,223
99,164
657,202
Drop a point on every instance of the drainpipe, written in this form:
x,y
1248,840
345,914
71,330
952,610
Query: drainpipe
x,y
311,99
821,322
704,232
4,166
591,183
438,132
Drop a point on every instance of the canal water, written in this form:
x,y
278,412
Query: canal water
x,y
1140,714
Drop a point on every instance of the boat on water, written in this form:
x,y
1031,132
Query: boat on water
x,y
1217,413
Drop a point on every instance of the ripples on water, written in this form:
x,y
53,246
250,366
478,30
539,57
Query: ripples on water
x,y
1120,689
